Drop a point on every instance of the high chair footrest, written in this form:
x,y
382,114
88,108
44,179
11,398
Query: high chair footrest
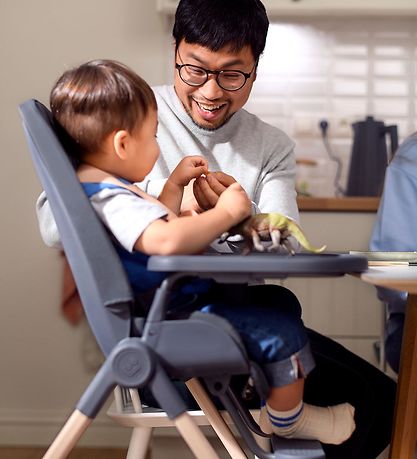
x,y
293,449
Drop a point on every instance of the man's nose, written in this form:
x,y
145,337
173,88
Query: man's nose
x,y
210,89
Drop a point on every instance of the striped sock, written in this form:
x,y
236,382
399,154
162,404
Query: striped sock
x,y
265,425
332,424
284,421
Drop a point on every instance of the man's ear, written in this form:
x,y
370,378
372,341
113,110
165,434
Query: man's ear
x,y
121,143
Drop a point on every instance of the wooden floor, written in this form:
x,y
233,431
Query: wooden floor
x,y
108,453
78,453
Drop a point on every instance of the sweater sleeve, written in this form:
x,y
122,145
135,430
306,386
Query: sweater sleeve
x,y
152,186
276,189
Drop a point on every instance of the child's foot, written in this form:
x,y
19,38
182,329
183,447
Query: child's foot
x,y
332,424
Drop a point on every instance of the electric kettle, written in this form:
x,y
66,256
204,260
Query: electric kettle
x,y
369,157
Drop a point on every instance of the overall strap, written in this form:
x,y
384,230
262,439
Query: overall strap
x,y
90,174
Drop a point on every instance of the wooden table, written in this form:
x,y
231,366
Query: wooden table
x,y
404,435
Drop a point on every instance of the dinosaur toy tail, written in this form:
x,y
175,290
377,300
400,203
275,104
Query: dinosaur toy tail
x,y
299,235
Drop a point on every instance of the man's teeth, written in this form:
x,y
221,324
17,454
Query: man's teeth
x,y
209,108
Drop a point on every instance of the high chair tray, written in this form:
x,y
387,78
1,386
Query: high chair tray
x,y
264,264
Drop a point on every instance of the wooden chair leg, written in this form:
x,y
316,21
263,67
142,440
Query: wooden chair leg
x,y
68,436
194,437
141,436
215,419
139,443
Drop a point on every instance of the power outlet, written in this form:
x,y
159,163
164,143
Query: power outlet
x,y
342,127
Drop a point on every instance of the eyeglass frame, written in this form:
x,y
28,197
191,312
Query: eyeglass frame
x,y
213,72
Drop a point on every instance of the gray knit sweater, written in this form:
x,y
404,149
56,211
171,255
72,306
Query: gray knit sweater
x,y
259,156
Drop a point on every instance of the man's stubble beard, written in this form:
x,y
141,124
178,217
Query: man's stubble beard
x,y
206,128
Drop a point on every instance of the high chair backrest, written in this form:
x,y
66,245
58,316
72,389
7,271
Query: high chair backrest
x,y
101,280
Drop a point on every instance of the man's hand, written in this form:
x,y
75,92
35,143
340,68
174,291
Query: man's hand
x,y
208,189
189,205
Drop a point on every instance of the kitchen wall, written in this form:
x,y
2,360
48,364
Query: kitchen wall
x,y
46,362
341,70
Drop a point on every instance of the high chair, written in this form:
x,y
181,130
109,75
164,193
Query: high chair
x,y
204,350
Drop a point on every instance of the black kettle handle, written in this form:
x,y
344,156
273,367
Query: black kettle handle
x,y
393,132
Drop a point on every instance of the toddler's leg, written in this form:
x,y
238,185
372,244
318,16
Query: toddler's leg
x,y
332,424
268,319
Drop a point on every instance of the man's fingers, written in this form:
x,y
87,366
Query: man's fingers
x,y
189,202
215,184
199,195
205,196
223,178
208,189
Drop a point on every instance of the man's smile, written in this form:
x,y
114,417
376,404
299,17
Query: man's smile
x,y
209,112
208,107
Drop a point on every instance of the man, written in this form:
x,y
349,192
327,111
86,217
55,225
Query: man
x,y
217,47
214,75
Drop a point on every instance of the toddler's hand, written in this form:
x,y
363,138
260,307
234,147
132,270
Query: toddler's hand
x,y
236,202
188,168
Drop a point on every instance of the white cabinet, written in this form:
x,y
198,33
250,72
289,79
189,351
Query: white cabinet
x,y
277,8
343,308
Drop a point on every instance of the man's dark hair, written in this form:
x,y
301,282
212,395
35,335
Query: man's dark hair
x,y
216,24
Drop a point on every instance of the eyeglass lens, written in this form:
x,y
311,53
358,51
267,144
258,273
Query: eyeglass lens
x,y
196,76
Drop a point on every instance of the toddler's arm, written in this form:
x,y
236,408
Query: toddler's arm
x,y
188,235
188,168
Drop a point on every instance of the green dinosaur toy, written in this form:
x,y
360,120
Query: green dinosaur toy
x,y
270,227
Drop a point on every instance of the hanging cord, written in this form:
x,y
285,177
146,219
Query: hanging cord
x,y
336,183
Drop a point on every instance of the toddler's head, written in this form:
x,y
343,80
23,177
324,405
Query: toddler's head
x,y
99,98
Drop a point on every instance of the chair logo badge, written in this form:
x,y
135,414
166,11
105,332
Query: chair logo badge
x,y
130,364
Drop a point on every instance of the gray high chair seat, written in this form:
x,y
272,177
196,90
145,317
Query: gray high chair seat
x,y
152,351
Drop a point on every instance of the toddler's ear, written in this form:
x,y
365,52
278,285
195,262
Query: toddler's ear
x,y
120,143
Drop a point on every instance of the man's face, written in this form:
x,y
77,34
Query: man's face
x,y
209,105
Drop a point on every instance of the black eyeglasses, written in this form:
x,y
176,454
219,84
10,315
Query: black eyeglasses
x,y
229,80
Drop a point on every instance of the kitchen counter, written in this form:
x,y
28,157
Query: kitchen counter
x,y
340,204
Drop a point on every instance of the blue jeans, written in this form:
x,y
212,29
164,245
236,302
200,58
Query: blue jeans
x,y
268,320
